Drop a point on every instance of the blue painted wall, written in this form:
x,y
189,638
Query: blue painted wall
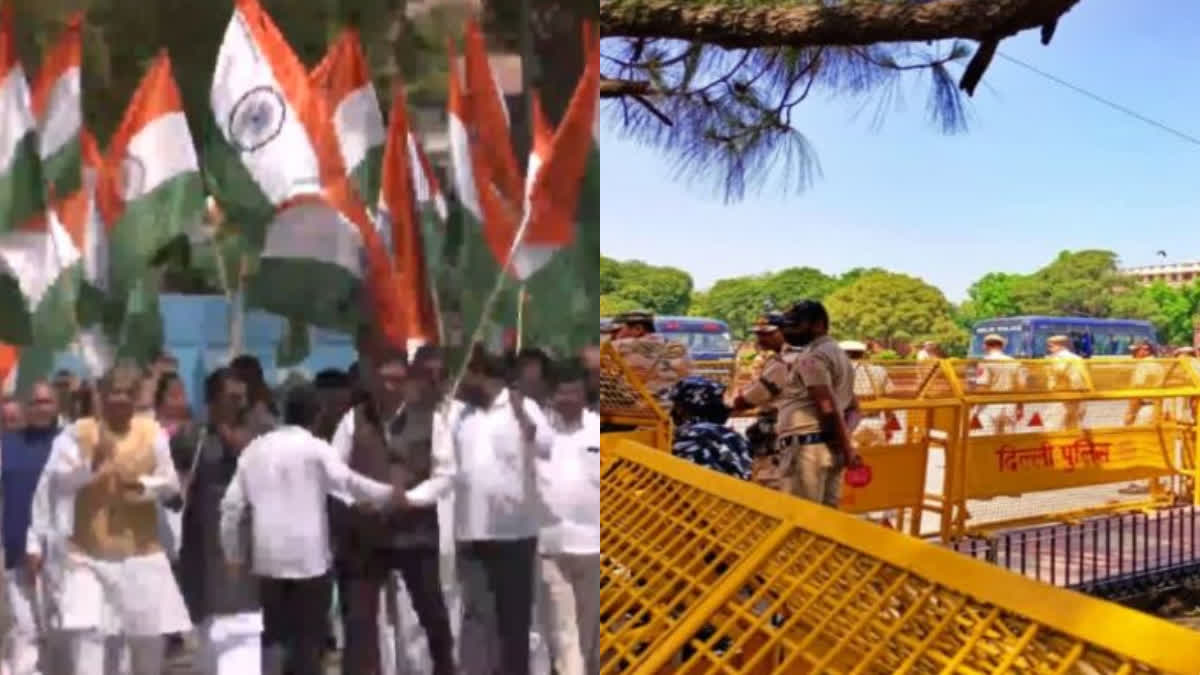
x,y
197,333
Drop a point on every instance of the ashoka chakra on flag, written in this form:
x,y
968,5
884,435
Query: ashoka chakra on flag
x,y
257,118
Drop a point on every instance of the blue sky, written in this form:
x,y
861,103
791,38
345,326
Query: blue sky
x,y
1040,169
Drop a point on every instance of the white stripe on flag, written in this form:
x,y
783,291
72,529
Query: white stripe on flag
x,y
158,152
359,125
258,120
460,165
64,114
315,231
16,118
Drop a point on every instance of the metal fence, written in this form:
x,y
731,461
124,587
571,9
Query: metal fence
x,y
1099,555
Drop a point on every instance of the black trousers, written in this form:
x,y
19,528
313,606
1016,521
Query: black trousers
x,y
360,592
496,579
294,622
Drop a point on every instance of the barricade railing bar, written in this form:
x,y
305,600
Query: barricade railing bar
x,y
1021,443
1097,555
704,573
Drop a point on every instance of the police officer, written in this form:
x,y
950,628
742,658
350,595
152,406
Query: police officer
x,y
813,394
659,362
765,469
998,372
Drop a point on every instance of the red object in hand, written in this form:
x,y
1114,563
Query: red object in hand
x,y
858,476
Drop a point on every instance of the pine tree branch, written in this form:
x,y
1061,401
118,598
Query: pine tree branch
x,y
739,24
615,88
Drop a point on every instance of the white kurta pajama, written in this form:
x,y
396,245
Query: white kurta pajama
x,y
133,599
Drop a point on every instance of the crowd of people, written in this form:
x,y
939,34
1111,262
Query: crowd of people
x,y
254,535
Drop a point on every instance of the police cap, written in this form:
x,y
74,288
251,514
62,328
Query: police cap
x,y
994,338
637,317
768,323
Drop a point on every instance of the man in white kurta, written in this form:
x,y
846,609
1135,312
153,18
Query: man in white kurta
x,y
45,554
118,589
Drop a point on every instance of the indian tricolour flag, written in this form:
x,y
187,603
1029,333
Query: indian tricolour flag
x,y
57,95
259,154
557,255
37,255
397,216
22,202
152,188
554,176
150,193
275,155
476,268
345,83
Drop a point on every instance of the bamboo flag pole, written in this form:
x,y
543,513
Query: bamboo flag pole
x,y
521,316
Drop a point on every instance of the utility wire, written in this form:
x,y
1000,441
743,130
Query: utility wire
x,y
1101,100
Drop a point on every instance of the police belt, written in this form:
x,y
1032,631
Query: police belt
x,y
799,439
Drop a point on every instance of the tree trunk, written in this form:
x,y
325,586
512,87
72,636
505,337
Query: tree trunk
x,y
735,25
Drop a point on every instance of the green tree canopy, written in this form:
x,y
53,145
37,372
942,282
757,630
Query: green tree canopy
x,y
633,284
885,305
739,301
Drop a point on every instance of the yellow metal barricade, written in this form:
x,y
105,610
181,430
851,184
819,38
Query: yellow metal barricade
x,y
911,414
625,402
1059,439
703,573
717,371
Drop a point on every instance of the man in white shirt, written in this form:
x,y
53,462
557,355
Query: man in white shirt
x,y
118,588
281,481
498,435
569,590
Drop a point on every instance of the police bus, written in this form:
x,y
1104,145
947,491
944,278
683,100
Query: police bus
x,y
706,339
1027,335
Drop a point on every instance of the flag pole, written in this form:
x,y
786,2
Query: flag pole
x,y
521,297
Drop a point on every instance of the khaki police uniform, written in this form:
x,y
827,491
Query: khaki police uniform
x,y
1147,374
1066,375
1000,373
816,473
657,361
773,470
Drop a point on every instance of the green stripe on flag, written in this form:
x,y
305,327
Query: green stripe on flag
x,y
21,189
367,176
141,329
35,365
15,325
229,182
324,293
63,171
564,296
150,223
474,277
53,320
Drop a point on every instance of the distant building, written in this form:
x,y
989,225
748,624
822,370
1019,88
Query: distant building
x,y
1174,274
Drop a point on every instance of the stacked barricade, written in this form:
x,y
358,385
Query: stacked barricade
x,y
625,404
703,573
718,371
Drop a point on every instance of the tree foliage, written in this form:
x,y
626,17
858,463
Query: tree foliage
x,y
715,83
875,303
632,284
739,301
886,306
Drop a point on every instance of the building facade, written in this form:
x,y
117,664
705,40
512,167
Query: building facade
x,y
1174,274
